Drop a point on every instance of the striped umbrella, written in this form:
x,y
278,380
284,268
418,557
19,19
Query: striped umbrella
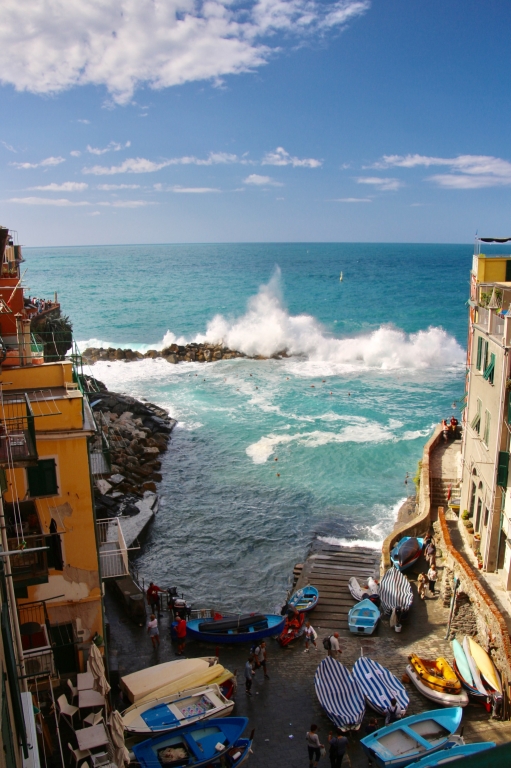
x,y
379,685
339,694
395,591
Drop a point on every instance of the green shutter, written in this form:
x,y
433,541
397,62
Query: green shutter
x,y
484,362
502,469
42,480
490,370
479,352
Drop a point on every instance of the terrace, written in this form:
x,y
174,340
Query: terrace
x,y
17,431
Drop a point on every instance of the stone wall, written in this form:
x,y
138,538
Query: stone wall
x,y
420,524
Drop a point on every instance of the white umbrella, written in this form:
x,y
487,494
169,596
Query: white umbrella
x,y
121,754
97,667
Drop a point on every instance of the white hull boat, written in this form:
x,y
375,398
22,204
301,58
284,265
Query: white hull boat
x,y
444,699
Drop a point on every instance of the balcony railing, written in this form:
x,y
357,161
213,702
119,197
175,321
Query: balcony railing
x,y
113,553
36,640
29,568
17,431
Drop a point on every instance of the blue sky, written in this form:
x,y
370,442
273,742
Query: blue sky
x,y
134,121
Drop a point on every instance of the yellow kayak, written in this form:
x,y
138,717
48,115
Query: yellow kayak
x,y
485,665
437,675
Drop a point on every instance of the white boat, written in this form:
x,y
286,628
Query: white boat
x,y
179,675
162,715
359,592
439,697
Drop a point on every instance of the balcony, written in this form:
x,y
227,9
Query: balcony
x,y
17,431
24,532
113,553
36,640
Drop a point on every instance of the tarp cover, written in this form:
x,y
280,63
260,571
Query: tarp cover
x,y
140,684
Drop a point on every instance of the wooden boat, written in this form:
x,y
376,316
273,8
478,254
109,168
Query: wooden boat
x,y
235,629
395,592
485,666
172,712
197,745
406,552
339,694
379,685
185,673
413,738
476,677
446,756
427,677
363,618
304,599
462,669
293,628
370,592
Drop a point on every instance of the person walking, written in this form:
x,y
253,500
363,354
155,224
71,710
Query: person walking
x,y
310,636
338,746
153,598
432,577
335,648
421,585
249,674
314,745
260,658
430,552
181,636
153,631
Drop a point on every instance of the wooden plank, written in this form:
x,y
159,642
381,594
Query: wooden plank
x,y
347,556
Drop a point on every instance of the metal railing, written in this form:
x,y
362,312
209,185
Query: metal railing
x,y
29,565
113,552
17,430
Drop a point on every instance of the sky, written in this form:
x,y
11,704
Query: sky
x,y
162,121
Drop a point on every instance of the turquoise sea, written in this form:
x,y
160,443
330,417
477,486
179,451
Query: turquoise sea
x,y
270,454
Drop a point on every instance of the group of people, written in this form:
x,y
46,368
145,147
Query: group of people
x,y
431,577
449,429
153,630
256,660
40,304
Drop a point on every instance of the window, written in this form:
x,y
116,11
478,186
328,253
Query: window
x,y
476,421
479,352
489,371
472,499
478,514
487,421
486,516
42,480
484,360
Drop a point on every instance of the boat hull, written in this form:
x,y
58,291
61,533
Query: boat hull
x,y
395,592
473,693
406,552
363,618
275,625
446,756
379,685
445,699
293,628
304,600
339,694
485,666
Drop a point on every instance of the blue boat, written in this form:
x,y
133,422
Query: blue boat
x,y
379,685
339,694
197,745
406,552
446,756
413,738
363,618
395,592
236,629
304,599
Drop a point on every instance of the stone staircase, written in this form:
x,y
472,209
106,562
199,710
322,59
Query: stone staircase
x,y
439,490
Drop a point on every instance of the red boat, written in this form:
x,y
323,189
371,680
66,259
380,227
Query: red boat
x,y
293,628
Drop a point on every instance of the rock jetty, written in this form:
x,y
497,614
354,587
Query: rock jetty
x,y
136,434
175,353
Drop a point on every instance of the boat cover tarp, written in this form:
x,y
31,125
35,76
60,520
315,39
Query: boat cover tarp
x,y
379,685
395,591
408,551
145,681
232,622
339,694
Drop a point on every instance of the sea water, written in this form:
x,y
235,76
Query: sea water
x,y
269,454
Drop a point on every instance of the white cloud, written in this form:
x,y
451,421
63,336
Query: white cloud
x,y
114,146
110,187
261,181
353,200
60,202
281,157
49,161
75,153
127,203
466,171
9,147
185,190
66,186
142,165
385,185
47,46
85,122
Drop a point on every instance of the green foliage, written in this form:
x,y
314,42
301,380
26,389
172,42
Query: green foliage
x,y
417,477
465,515
56,333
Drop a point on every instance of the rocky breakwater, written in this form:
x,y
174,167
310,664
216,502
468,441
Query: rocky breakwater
x,y
175,353
135,434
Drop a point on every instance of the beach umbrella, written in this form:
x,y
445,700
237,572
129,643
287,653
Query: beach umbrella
x,y
121,754
97,667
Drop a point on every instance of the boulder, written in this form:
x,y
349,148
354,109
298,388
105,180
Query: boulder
x,y
103,487
171,359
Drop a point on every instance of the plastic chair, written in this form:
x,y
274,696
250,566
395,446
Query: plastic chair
x,y
79,754
94,718
66,710
73,689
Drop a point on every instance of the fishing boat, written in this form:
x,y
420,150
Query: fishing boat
x,y
236,629
462,669
485,666
379,685
363,618
172,676
413,738
395,592
304,599
406,552
446,756
437,681
339,694
166,714
293,628
197,745
370,592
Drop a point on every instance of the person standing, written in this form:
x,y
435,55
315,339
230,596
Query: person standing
x,y
430,553
314,745
249,674
432,577
181,636
153,598
393,713
310,636
335,648
153,631
338,746
260,658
